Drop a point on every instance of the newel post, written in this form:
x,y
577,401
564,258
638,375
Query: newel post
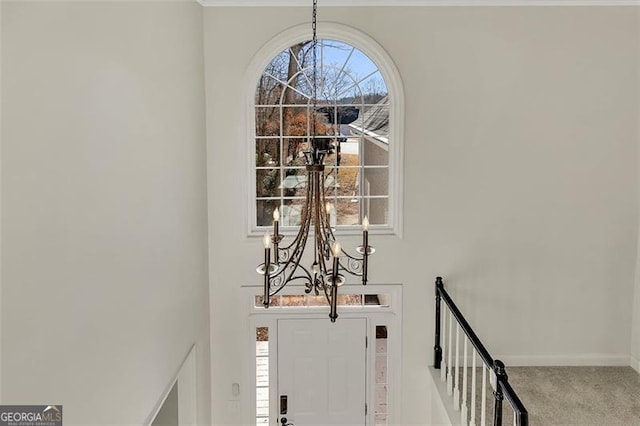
x,y
437,349
501,376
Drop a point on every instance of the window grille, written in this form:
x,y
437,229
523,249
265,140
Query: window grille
x,y
352,118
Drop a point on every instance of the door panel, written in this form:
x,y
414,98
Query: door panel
x,y
322,370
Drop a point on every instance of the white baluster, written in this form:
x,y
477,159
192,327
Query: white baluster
x,y
464,413
456,372
449,375
472,422
443,363
515,419
483,402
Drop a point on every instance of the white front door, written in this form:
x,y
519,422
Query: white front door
x,y
322,371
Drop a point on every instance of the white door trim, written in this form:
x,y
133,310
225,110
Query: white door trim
x,y
391,317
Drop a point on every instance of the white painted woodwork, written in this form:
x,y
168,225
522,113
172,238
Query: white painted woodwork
x,y
456,372
322,370
483,400
449,369
472,421
463,409
443,339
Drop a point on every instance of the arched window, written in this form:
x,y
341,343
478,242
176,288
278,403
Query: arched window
x,y
356,114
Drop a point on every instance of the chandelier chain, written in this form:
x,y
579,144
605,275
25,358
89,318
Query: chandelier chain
x,y
314,48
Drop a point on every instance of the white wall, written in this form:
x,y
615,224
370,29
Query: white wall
x,y
635,331
1,132
520,179
104,262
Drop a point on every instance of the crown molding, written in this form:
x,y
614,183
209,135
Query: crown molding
x,y
255,3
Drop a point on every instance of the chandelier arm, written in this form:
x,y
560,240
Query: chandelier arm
x,y
292,261
295,240
353,266
314,207
292,279
324,242
327,294
319,246
346,254
298,251
303,230
292,264
284,254
284,275
326,230
292,257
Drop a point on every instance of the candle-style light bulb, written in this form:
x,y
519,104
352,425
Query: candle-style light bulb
x,y
328,209
267,241
365,224
337,249
276,215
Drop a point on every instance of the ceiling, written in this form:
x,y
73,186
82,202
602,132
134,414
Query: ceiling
x,y
254,3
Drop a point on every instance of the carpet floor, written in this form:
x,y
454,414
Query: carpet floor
x,y
584,396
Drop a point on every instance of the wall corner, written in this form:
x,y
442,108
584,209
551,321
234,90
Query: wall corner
x,y
635,321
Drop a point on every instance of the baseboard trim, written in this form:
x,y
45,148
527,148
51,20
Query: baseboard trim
x,y
598,360
635,363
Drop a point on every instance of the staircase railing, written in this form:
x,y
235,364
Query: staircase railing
x,y
447,359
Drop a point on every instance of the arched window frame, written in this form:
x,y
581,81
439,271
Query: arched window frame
x,y
388,70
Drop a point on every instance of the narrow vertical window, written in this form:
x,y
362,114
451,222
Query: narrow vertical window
x,y
262,376
382,383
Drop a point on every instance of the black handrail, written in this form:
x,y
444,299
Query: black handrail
x,y
503,387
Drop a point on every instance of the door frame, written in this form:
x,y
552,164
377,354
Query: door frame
x,y
390,316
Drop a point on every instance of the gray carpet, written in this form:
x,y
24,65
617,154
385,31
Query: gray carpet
x,y
602,396
565,396
584,396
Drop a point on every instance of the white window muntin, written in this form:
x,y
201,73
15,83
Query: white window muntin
x,y
393,82
286,174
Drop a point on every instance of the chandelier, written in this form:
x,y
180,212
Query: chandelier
x,y
323,275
